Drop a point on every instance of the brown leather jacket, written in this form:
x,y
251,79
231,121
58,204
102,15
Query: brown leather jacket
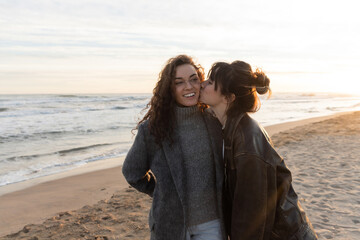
x,y
260,202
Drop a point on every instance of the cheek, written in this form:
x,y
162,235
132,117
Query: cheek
x,y
197,87
209,90
178,93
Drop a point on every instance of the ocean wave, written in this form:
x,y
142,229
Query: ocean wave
x,y
118,108
26,157
312,111
134,98
294,101
57,165
27,136
356,105
4,109
61,152
68,96
106,156
323,94
334,108
59,134
43,135
46,169
75,96
122,126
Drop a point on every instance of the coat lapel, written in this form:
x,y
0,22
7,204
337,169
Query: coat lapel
x,y
175,161
215,135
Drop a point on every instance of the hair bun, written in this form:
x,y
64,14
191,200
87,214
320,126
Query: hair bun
x,y
262,82
262,90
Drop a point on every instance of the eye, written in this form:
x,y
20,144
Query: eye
x,y
195,80
179,82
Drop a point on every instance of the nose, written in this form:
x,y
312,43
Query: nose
x,y
188,85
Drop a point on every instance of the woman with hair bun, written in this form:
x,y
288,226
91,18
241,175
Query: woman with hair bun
x,y
176,158
259,200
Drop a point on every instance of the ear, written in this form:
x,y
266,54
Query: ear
x,y
230,98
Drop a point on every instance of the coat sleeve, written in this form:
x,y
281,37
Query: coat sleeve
x,y
250,200
136,167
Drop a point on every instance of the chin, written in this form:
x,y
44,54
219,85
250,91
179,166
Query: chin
x,y
191,104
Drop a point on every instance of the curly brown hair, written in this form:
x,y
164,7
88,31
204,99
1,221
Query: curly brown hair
x,y
161,113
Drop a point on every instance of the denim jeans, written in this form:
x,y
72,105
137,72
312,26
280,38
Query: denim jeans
x,y
206,231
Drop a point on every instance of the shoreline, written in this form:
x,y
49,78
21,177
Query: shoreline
x,y
37,200
87,168
118,161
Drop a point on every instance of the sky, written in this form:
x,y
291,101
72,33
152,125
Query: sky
x,y
120,46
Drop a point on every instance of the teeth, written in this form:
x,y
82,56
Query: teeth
x,y
189,95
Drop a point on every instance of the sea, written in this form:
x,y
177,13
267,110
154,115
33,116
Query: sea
x,y
41,135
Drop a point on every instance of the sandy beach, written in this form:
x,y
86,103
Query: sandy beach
x,y
322,154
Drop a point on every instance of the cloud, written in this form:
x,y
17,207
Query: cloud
x,y
67,37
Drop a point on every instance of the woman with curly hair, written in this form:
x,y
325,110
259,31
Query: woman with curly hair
x,y
176,158
260,202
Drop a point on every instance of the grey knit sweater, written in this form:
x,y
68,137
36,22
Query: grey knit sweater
x,y
199,166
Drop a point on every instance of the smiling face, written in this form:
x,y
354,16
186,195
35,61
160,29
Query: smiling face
x,y
186,85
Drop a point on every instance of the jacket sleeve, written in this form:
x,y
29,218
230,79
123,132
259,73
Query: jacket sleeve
x,y
251,199
136,167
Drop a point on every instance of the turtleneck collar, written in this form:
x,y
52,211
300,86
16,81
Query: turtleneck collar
x,y
184,113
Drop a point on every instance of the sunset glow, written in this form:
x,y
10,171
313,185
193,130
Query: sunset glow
x,y
120,46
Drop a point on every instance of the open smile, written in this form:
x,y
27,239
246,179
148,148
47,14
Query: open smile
x,y
189,95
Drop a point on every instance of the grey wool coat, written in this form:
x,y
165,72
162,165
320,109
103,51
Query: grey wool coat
x,y
159,172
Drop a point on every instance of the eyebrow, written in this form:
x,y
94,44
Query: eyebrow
x,y
189,77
